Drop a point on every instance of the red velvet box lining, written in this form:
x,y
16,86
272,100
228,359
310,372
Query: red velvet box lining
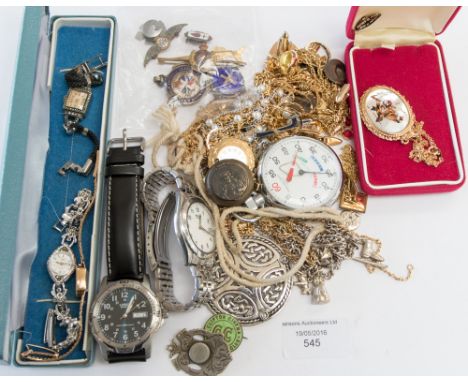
x,y
415,71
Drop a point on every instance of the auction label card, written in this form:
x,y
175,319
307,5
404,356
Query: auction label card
x,y
316,338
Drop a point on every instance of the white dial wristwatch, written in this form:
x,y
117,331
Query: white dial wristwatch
x,y
193,225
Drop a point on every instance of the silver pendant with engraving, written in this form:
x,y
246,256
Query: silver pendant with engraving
x,y
260,257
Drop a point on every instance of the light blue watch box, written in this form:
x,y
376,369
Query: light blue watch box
x,y
33,195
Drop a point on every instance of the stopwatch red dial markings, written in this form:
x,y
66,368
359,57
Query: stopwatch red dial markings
x,y
291,170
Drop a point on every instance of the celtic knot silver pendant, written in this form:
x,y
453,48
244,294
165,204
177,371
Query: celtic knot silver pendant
x,y
264,259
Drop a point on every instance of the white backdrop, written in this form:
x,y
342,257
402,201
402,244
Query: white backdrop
x,y
418,327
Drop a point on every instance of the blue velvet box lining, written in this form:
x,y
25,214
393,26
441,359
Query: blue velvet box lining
x,y
74,45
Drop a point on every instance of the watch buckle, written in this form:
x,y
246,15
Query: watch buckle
x,y
126,141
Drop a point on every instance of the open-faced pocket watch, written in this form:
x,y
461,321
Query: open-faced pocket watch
x,y
299,172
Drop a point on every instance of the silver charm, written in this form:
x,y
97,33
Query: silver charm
x,y
198,352
75,167
370,254
261,257
331,247
352,219
318,292
156,32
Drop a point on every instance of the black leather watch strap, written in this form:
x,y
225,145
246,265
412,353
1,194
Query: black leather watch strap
x,y
140,355
124,214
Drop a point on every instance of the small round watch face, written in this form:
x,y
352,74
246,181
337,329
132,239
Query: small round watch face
x,y
125,315
61,264
185,84
232,148
301,172
201,227
229,182
386,111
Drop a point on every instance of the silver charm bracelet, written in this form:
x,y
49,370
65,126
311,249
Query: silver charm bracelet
x,y
61,265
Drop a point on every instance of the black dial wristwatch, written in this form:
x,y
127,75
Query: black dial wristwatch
x,y
126,312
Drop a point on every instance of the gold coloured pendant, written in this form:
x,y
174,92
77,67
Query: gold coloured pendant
x,y
282,45
287,60
232,148
351,198
388,114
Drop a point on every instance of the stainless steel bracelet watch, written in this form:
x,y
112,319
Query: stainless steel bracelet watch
x,y
194,227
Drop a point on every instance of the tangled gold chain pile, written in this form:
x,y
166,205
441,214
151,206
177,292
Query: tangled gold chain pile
x,y
302,90
305,81
292,83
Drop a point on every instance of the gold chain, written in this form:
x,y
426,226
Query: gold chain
x,y
302,90
298,87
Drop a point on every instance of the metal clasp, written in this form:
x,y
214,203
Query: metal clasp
x,y
87,64
126,141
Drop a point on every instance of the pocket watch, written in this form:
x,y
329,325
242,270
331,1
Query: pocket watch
x,y
229,182
232,148
300,172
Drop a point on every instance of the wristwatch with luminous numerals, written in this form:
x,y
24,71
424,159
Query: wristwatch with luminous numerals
x,y
126,312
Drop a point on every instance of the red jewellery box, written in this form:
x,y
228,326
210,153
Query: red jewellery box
x,y
397,47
